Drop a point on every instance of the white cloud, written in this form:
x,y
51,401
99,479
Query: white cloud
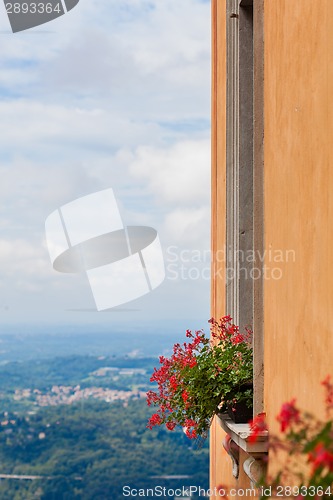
x,y
144,58
178,180
189,228
22,258
113,94
179,174
30,126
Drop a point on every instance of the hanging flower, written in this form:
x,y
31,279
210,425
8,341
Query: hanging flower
x,y
201,376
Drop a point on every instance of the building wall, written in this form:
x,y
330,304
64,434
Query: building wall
x,y
298,203
298,187
220,464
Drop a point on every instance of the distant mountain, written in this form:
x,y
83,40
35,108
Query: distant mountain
x,y
17,346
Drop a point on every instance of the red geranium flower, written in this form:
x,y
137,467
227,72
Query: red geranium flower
x,y
320,457
329,393
185,396
257,426
191,433
155,419
289,414
198,375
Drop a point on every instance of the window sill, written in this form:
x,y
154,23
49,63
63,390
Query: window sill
x,y
239,438
241,433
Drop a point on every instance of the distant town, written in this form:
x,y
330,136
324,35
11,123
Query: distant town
x,y
67,394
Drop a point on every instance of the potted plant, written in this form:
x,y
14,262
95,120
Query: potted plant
x,y
203,377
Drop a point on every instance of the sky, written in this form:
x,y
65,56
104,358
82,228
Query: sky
x,y
116,93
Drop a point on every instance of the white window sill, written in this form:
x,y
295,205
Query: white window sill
x,y
240,434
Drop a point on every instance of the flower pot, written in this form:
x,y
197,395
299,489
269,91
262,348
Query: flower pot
x,y
240,413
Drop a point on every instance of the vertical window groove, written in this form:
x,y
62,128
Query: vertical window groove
x,y
239,159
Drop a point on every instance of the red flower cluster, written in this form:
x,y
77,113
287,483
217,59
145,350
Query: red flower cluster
x,y
224,330
190,428
258,425
201,375
321,458
185,396
155,419
329,393
169,378
307,439
288,415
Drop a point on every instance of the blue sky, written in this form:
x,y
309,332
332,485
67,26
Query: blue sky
x,y
113,94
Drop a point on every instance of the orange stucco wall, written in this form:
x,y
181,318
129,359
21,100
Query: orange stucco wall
x,y
298,197
298,203
220,464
